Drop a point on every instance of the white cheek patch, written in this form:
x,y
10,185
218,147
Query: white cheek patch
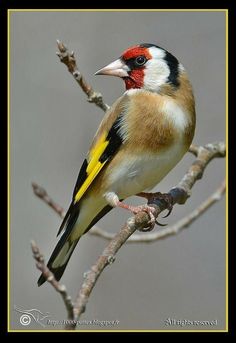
x,y
156,74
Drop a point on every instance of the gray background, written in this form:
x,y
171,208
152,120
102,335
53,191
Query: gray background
x,y
52,125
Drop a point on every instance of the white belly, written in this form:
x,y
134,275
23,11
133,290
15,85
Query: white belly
x,y
137,174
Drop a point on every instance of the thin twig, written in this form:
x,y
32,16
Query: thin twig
x,y
68,58
41,193
40,264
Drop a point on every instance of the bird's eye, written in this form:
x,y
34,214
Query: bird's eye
x,y
140,60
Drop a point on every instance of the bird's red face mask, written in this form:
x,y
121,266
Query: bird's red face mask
x,y
130,67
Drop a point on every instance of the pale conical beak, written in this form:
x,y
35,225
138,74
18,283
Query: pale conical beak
x,y
116,68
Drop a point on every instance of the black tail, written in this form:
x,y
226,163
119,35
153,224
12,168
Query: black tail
x,y
65,247
60,257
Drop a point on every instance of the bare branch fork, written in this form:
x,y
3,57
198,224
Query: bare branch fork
x,y
180,193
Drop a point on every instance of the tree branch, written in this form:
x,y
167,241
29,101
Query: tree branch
x,y
68,58
171,230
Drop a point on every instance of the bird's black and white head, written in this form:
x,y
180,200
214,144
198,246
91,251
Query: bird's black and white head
x,y
145,66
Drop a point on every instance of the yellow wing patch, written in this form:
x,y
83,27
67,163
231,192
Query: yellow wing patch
x,y
96,153
94,165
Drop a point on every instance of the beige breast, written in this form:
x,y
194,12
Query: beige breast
x,y
154,129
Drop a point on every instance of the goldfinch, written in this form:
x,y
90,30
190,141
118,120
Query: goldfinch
x,y
141,138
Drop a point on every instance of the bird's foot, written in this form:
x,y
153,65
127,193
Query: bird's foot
x,y
114,201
